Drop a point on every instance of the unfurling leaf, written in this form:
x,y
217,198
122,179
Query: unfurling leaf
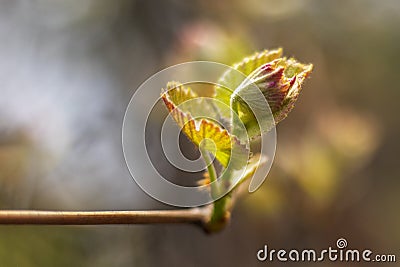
x,y
255,162
278,79
207,133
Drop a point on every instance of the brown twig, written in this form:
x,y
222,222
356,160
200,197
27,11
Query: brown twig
x,y
189,216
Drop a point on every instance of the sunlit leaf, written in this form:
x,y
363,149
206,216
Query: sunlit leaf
x,y
231,79
255,162
279,80
206,132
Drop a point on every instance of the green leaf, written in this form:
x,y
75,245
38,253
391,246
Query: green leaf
x,y
230,79
207,133
278,79
255,162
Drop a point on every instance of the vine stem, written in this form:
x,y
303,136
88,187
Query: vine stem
x,y
212,173
209,217
219,216
192,216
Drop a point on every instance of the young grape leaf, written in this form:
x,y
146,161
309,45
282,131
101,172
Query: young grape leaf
x,y
278,79
255,162
206,132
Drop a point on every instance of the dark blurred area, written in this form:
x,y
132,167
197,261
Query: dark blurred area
x,y
69,68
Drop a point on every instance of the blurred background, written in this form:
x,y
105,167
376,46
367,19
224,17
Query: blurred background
x,y
69,68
